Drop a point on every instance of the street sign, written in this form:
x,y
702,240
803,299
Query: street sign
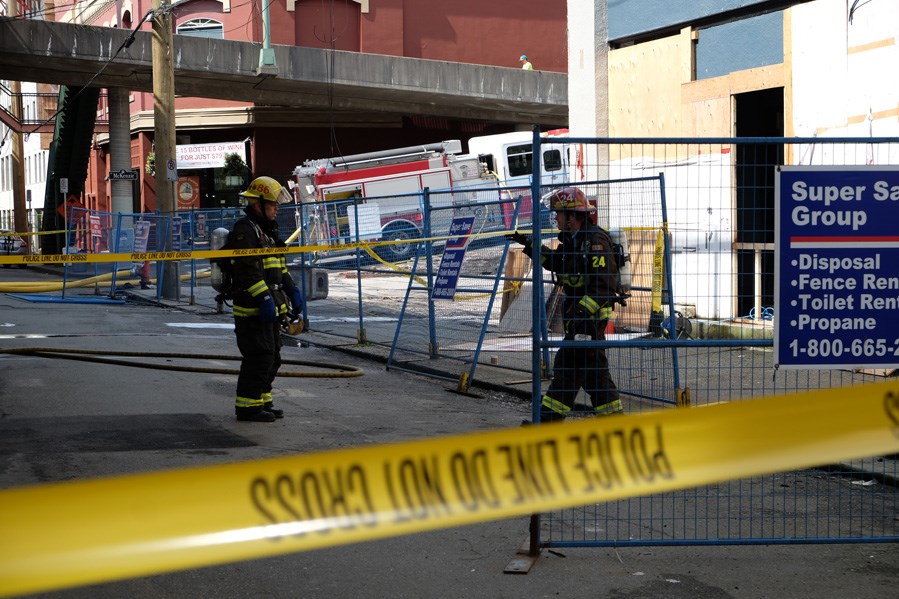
x,y
453,256
96,227
836,276
171,172
64,209
123,175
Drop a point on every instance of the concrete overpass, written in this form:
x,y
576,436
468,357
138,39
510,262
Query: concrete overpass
x,y
357,84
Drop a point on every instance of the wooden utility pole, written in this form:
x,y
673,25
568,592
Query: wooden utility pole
x,y
164,136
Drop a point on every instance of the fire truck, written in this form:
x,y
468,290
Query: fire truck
x,y
377,195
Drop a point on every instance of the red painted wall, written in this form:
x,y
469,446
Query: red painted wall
x,y
326,25
472,31
382,28
496,32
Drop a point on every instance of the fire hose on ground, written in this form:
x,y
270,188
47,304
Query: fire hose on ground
x,y
332,370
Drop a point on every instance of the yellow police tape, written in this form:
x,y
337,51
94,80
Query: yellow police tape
x,y
208,254
147,256
74,533
39,233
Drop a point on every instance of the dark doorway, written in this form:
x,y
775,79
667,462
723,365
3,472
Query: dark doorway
x,y
759,114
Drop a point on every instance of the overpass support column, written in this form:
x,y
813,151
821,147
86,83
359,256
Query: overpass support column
x,y
120,148
588,87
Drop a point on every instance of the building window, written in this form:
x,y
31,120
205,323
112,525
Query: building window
x,y
202,28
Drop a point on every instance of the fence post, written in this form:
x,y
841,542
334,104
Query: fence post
x,y
536,315
433,347
116,246
361,337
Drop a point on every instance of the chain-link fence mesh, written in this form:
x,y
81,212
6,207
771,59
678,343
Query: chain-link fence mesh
x,y
716,341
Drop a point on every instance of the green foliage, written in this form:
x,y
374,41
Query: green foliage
x,y
234,164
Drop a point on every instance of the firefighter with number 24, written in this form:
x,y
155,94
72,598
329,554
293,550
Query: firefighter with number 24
x,y
585,264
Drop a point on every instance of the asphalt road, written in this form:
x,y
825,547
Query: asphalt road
x,y
86,419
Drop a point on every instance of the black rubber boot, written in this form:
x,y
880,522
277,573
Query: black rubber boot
x,y
550,416
258,415
270,407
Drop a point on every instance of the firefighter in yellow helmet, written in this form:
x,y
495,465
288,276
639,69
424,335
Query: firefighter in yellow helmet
x,y
266,295
585,266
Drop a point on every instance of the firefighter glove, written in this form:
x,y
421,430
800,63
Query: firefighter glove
x,y
583,320
296,301
519,238
267,311
582,324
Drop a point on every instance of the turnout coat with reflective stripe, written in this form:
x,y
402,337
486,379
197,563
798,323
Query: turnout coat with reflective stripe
x,y
584,264
256,275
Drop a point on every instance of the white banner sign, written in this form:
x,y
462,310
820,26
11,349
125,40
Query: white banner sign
x,y
208,155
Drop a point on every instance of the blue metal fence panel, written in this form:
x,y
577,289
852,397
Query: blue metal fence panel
x,y
720,316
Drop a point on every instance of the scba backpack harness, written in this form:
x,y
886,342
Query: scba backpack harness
x,y
223,268
620,260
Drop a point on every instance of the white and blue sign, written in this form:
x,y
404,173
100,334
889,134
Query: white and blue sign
x,y
176,233
453,256
837,267
126,241
141,235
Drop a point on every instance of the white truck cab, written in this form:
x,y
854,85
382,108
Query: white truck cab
x,y
511,157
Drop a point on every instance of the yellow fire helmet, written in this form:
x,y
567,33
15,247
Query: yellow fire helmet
x,y
266,189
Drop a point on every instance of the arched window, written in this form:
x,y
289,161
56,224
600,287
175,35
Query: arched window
x,y
202,28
